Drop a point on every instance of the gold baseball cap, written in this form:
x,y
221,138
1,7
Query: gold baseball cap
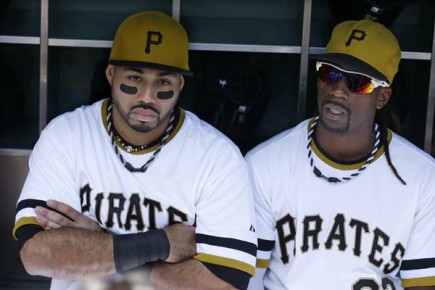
x,y
151,40
364,46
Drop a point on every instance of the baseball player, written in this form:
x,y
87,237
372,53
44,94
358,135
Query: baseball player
x,y
342,202
125,170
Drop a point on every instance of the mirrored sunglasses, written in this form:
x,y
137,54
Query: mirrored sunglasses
x,y
356,82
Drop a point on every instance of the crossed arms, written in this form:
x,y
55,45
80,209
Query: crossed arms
x,y
90,252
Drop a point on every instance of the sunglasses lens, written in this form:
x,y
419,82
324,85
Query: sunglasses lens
x,y
355,82
359,84
329,74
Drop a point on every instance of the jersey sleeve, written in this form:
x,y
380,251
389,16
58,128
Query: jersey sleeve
x,y
50,176
418,264
264,227
225,233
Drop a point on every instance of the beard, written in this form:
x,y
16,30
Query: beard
x,y
143,127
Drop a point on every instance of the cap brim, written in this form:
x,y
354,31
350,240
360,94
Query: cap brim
x,y
349,62
150,65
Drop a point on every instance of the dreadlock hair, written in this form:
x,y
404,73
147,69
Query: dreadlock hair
x,y
386,118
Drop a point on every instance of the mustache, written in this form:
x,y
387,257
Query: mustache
x,y
338,104
145,107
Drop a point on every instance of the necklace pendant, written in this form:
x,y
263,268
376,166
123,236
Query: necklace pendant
x,y
128,148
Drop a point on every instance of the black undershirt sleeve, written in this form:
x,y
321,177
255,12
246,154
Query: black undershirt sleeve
x,y
25,232
237,278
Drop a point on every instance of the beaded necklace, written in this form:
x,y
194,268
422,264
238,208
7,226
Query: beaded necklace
x,y
317,171
129,148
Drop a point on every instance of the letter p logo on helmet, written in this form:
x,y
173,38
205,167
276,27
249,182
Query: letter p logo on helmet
x,y
153,37
356,35
151,40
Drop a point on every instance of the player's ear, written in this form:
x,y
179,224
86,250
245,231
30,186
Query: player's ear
x,y
182,82
383,97
109,73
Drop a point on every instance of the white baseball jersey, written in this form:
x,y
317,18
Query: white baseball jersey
x,y
370,233
199,178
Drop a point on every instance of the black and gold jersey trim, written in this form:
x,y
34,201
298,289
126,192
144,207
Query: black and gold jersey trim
x,y
418,282
30,203
265,245
22,223
179,115
227,243
231,263
418,264
262,263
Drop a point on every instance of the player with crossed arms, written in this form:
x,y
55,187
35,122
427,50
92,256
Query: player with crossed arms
x,y
134,179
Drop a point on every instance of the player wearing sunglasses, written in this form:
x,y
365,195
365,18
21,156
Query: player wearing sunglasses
x,y
333,211
355,82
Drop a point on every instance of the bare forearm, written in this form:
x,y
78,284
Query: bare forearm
x,y
190,274
75,247
69,253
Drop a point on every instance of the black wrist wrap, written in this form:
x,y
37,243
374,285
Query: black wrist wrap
x,y
133,250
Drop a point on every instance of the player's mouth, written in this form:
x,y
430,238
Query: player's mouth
x,y
334,111
144,113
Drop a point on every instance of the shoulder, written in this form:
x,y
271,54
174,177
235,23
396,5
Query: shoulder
x,y
73,121
71,128
415,165
402,149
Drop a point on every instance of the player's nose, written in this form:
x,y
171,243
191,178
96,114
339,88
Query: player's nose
x,y
340,89
147,94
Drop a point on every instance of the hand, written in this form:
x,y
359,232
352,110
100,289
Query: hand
x,y
182,242
70,218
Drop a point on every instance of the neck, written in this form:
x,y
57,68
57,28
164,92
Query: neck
x,y
346,147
